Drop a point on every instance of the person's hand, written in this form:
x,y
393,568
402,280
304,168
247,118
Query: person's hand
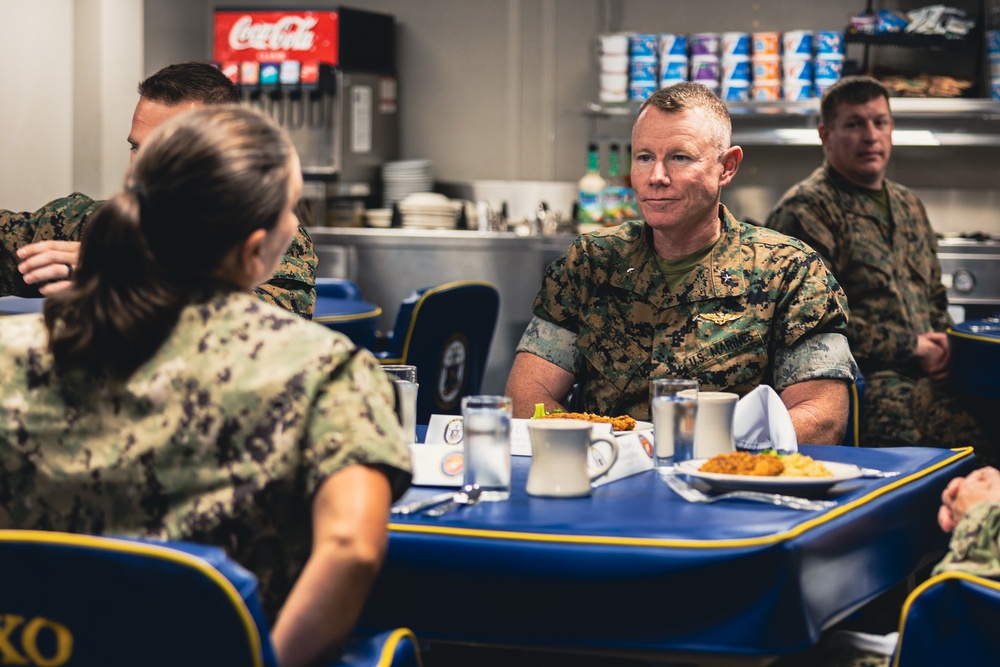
x,y
962,493
933,353
49,262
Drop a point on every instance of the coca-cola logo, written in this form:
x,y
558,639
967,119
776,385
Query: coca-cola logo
x,y
289,33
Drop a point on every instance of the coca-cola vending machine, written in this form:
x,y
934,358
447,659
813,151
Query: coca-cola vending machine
x,y
329,77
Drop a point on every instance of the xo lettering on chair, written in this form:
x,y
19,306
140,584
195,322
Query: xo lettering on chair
x,y
40,642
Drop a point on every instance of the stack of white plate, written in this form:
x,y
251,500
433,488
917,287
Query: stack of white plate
x,y
429,210
404,177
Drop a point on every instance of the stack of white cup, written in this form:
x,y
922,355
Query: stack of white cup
x,y
993,52
735,65
797,64
704,48
765,66
614,68
644,53
828,64
673,59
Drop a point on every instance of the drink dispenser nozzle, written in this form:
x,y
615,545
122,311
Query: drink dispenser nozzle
x,y
319,85
271,92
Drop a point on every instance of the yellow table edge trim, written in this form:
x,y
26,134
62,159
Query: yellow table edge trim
x,y
984,339
933,581
960,453
398,635
376,312
163,552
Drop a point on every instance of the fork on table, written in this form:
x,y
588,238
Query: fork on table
x,y
693,495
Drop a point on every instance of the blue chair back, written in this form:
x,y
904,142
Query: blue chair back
x,y
446,332
951,619
338,288
856,399
85,600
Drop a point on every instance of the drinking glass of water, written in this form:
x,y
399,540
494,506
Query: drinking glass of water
x,y
486,444
404,380
674,405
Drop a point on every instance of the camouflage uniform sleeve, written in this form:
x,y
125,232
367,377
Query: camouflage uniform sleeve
x,y
293,285
59,220
975,543
823,356
938,298
552,343
354,423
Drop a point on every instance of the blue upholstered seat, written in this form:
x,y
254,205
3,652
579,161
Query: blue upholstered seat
x,y
84,600
856,400
951,619
446,332
338,288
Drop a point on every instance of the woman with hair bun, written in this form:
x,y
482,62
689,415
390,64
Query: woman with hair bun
x,y
157,397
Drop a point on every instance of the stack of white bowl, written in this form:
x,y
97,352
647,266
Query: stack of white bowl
x,y
673,59
643,63
704,48
735,67
797,65
765,66
429,210
828,62
614,68
403,177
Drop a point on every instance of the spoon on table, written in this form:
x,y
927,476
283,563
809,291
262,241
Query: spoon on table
x,y
468,495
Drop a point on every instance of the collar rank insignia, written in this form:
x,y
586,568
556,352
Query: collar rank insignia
x,y
725,277
720,318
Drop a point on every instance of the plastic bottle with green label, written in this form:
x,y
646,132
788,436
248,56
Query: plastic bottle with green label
x,y
613,194
590,188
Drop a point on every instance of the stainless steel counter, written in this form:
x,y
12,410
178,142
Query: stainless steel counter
x,y
388,264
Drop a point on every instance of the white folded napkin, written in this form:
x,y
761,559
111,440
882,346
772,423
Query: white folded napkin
x,y
762,422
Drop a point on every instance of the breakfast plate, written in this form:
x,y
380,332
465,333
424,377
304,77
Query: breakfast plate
x,y
639,426
842,472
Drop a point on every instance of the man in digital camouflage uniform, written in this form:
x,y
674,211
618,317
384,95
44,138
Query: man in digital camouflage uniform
x,y
875,237
39,250
687,292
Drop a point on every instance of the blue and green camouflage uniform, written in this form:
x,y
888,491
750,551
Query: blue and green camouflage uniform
x,y
760,309
891,275
222,437
292,287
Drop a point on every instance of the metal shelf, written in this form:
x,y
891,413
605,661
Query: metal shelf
x,y
919,121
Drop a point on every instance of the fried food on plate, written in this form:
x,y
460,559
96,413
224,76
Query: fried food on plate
x,y
620,423
798,465
743,463
766,465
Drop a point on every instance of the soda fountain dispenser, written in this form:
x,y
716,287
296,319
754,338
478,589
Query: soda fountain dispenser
x,y
329,78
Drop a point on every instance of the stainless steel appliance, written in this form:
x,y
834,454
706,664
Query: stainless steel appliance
x,y
329,77
970,269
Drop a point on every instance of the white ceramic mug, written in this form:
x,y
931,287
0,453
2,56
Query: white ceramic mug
x,y
713,430
559,449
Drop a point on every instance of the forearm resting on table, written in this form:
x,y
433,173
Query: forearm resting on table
x,y
534,380
818,409
349,540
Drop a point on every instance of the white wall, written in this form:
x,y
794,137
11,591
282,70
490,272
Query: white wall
x,y
68,98
36,116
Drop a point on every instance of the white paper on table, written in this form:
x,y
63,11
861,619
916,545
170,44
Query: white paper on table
x,y
444,430
437,465
634,456
762,422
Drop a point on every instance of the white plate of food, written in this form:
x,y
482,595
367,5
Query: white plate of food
x,y
839,472
639,426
